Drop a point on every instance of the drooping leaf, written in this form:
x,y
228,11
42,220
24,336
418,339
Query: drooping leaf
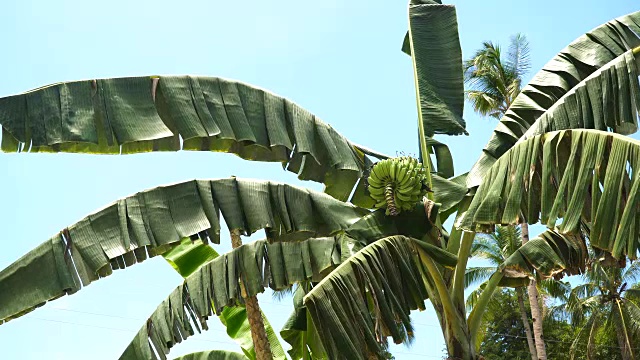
x,y
238,328
444,160
576,180
213,355
187,258
216,285
608,99
154,221
151,113
368,298
300,332
550,254
437,64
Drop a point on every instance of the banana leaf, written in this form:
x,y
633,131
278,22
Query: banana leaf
x,y
437,63
550,254
368,298
602,100
300,332
576,180
186,259
238,328
154,221
216,285
213,355
444,160
170,113
377,225
448,193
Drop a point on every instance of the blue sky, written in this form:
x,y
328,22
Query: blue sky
x,y
339,59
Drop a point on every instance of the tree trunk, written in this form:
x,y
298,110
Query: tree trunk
x,y
525,323
254,314
536,311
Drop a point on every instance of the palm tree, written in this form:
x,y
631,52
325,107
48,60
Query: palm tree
x,y
365,270
497,248
495,81
608,301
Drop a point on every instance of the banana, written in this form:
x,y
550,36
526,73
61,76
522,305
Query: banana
x,y
401,174
376,191
405,175
374,182
392,170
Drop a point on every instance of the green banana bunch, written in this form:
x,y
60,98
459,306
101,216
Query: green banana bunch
x,y
397,184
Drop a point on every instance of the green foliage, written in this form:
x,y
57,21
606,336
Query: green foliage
x,y
505,337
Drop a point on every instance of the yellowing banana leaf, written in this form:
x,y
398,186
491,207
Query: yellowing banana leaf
x,y
213,355
576,180
368,298
216,285
154,221
437,65
603,76
186,259
170,113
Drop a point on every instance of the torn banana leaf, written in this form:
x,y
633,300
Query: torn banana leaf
x,y
216,285
368,298
171,113
300,332
576,180
550,254
238,328
154,221
186,259
213,355
592,83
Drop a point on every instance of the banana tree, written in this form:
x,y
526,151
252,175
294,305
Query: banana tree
x,y
358,272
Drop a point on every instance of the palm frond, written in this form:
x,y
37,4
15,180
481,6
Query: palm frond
x,y
474,275
472,298
631,274
518,59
